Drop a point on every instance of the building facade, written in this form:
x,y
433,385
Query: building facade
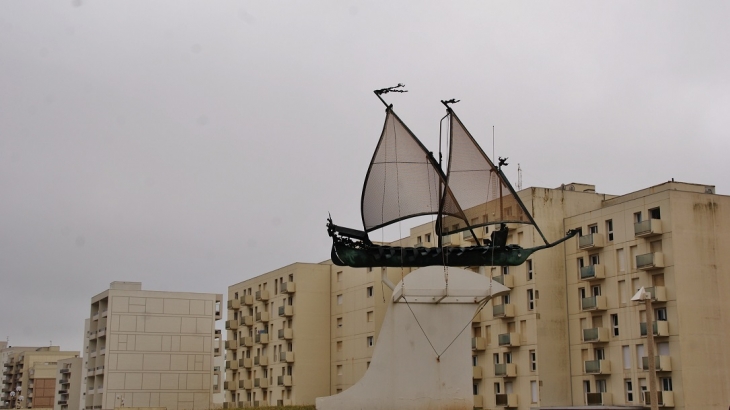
x,y
69,375
151,348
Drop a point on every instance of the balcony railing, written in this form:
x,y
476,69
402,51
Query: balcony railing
x,y
592,272
506,280
286,310
594,303
476,372
288,287
451,240
247,341
598,399
234,304
661,363
283,381
287,357
229,385
591,241
262,338
661,328
245,384
658,293
504,311
478,401
478,343
285,334
595,335
245,362
262,361
231,344
650,227
597,367
246,300
505,370
664,398
262,295
231,324
247,320
262,316
509,339
231,364
650,261
506,400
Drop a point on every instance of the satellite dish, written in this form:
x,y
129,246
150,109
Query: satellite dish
x,y
642,294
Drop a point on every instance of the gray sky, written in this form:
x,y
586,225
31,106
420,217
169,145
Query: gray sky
x,y
193,145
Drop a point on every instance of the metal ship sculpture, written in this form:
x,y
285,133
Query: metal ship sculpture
x,y
404,181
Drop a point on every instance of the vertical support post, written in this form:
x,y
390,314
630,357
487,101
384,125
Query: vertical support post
x,y
650,352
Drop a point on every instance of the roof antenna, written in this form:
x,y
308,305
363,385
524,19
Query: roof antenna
x,y
519,177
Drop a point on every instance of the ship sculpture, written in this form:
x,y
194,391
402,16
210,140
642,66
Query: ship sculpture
x,y
404,181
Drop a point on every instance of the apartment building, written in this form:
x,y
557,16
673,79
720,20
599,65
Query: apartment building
x,y
29,377
68,386
151,348
671,239
278,337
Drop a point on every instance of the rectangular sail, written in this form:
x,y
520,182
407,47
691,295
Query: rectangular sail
x,y
480,187
403,180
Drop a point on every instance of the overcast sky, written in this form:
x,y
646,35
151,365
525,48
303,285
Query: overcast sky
x,y
193,145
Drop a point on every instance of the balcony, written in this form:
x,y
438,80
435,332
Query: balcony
x,y
649,261
231,364
662,363
262,338
467,236
506,280
287,357
229,386
234,304
599,399
478,343
231,344
509,339
478,317
286,311
64,371
247,321
262,295
104,313
285,334
262,383
593,303
101,332
650,227
505,370
246,300
661,328
245,384
664,399
508,400
592,272
476,372
245,363
231,324
591,241
658,293
478,401
288,287
505,311
451,240
283,381
595,335
262,361
247,341
63,402
597,367
63,391
262,316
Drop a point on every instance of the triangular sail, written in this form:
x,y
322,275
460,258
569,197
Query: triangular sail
x,y
403,180
481,188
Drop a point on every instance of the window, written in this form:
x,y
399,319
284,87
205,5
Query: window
x,y
370,316
626,352
369,291
533,360
475,388
339,346
596,290
235,295
507,357
660,314
339,322
474,361
586,386
368,365
370,268
505,270
614,323
593,259
639,355
530,274
495,358
497,388
581,293
534,391
418,240
623,294
600,386
599,354
530,299
428,237
339,299
505,299
370,341
609,229
655,214
339,276
339,370
637,217
593,229
629,389
666,383
621,260
580,263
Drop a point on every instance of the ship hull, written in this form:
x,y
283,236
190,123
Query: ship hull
x,y
347,254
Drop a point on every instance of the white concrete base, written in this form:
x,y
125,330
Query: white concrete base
x,y
404,372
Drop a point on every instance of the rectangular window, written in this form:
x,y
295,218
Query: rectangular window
x,y
339,370
339,346
621,260
586,386
418,240
660,314
370,316
497,388
533,361
593,259
623,294
370,341
593,228
474,360
507,357
428,238
505,299
339,299
609,229
666,383
339,276
600,386
626,353
369,291
599,354
534,391
339,322
530,299
530,274
580,263
596,290
639,355
505,270
495,358
475,388
614,323
637,217
629,389
655,214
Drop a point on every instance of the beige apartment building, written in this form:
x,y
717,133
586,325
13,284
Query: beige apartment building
x,y
567,335
69,374
29,377
151,348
